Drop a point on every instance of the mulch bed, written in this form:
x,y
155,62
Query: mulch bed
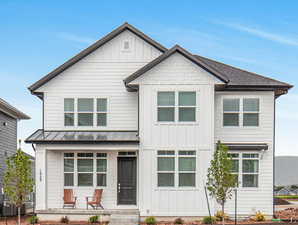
x,y
280,201
290,214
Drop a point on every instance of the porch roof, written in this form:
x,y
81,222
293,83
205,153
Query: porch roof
x,y
247,146
83,137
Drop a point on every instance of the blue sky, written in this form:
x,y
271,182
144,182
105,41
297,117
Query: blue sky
x,y
259,36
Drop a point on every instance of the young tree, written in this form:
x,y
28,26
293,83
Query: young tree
x,y
220,180
17,181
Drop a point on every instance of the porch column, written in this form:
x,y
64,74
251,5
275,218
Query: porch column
x,y
40,179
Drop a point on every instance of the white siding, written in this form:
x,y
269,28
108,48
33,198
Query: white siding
x,y
100,74
251,200
179,74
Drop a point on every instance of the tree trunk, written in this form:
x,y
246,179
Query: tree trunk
x,y
223,214
19,215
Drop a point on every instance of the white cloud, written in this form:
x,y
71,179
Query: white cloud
x,y
283,39
74,38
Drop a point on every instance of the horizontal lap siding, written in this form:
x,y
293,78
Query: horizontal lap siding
x,y
100,75
252,200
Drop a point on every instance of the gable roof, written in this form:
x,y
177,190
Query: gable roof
x,y
166,55
8,109
92,48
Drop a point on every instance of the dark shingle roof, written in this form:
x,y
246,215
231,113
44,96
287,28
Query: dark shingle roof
x,y
238,76
86,137
6,108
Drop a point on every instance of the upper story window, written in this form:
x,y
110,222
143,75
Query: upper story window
x,y
88,112
126,46
176,106
241,112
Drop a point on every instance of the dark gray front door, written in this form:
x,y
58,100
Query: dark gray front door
x,y
127,180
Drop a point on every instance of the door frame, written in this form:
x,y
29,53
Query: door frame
x,y
137,177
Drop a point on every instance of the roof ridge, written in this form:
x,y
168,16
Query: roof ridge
x,y
234,67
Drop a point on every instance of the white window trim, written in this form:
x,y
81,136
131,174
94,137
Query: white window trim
x,y
76,126
176,106
240,172
176,170
130,49
94,172
241,112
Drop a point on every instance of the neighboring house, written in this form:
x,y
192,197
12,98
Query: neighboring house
x,y
140,121
9,117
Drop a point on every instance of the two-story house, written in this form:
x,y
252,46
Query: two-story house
x,y
141,122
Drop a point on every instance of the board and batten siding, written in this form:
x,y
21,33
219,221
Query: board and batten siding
x,y
8,141
176,73
251,200
100,75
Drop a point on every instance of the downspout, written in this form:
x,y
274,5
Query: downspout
x,y
274,120
34,195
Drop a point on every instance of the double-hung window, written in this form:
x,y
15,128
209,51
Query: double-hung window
x,y
241,112
176,106
101,169
101,109
69,112
176,168
245,166
85,169
166,169
85,112
69,169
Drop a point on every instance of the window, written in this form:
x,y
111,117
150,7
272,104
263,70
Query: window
x,y
187,168
85,169
68,112
248,175
101,112
68,169
101,169
241,112
126,45
182,104
166,106
166,169
84,114
176,170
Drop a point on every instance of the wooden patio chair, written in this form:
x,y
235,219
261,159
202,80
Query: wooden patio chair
x,y
69,200
95,200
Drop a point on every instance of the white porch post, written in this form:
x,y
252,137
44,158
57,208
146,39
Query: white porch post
x,y
40,179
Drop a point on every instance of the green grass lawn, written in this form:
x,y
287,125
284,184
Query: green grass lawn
x,y
287,196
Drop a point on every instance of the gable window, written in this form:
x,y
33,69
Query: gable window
x,y
69,112
245,166
85,112
176,106
176,169
241,112
101,112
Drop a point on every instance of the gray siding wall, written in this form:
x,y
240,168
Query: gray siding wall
x,y
8,141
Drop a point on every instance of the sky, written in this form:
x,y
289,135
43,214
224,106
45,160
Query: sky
x,y
259,36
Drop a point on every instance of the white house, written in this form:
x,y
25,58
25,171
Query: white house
x,y
141,121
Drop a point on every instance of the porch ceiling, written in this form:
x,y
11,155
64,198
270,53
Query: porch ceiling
x,y
83,137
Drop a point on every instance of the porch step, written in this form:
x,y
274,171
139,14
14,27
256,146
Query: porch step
x,y
117,219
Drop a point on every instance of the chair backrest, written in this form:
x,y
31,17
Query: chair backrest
x,y
97,195
68,195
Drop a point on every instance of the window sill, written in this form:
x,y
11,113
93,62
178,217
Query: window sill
x,y
176,123
177,189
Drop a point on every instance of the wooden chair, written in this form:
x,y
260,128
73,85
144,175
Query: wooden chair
x,y
68,199
95,199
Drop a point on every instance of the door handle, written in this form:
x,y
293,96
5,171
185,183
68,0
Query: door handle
x,y
119,186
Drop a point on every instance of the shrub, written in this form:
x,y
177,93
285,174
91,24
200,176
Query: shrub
x,y
209,220
178,221
64,219
33,220
150,220
93,219
259,216
219,215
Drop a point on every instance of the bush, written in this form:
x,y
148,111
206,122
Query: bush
x,y
93,219
150,220
33,220
219,215
259,216
178,221
64,219
209,220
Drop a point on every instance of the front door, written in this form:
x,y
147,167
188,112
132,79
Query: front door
x,y
127,180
